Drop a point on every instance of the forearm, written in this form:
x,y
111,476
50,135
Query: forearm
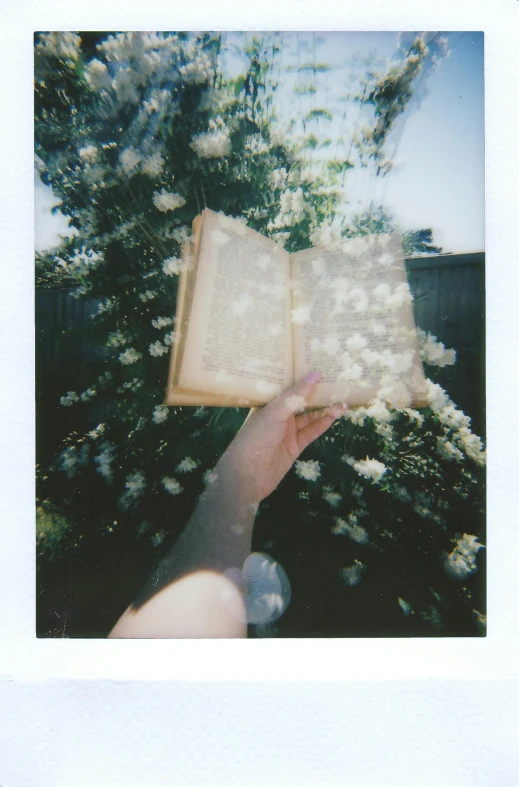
x,y
218,536
188,594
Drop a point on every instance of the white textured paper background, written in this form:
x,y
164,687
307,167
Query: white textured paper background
x,y
385,712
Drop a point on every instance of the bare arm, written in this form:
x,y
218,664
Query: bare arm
x,y
189,595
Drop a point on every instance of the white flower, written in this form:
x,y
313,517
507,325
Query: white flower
x,y
296,404
437,398
378,328
135,484
472,445
325,235
285,201
198,69
171,337
129,356
414,415
172,486
116,339
87,395
104,459
97,432
263,261
172,266
149,295
97,76
256,144
462,560
69,399
378,410
240,305
370,468
382,291
88,154
352,530
310,470
277,135
124,87
331,345
401,295
401,493
298,203
162,322
62,46
129,159
267,388
394,392
153,165
278,178
385,260
158,538
353,574
356,342
350,370
332,498
214,144
210,477
447,450
157,349
186,465
384,430
165,201
434,352
69,459
300,315
453,418
160,413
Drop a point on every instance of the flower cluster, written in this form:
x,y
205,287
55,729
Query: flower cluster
x,y
213,144
462,560
310,470
165,201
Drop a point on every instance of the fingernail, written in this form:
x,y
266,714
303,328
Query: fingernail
x,y
312,377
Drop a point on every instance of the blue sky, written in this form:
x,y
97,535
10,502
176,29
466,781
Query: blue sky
x,y
439,178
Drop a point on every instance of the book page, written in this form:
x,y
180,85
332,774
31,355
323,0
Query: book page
x,y
353,321
238,340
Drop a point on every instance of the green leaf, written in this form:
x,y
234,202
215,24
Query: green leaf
x,y
317,68
238,85
311,142
339,165
315,114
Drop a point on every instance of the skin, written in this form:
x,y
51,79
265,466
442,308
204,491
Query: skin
x,y
189,595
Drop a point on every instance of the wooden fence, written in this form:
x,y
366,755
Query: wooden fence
x,y
449,301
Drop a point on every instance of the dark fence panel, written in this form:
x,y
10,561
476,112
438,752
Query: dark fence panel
x,y
449,301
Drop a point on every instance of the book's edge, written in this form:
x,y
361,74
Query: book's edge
x,y
187,277
180,396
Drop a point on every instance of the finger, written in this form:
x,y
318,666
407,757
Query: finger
x,y
294,399
313,431
305,419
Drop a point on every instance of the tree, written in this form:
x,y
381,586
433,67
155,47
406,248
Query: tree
x,y
136,133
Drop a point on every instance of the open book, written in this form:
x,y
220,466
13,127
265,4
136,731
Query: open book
x,y
253,319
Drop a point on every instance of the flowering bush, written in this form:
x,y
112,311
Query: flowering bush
x,y
378,525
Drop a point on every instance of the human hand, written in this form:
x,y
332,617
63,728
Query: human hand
x,y
272,438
